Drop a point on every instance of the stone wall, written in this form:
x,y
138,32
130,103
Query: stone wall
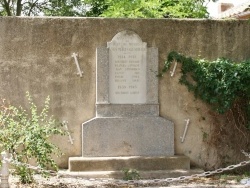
x,y
35,56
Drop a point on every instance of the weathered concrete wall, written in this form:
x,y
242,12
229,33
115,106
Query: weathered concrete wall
x,y
35,56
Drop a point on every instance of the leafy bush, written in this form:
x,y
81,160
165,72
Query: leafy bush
x,y
26,136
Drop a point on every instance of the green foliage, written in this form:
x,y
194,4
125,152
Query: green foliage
x,y
156,9
47,7
131,174
64,8
25,135
185,9
220,83
106,8
133,9
95,7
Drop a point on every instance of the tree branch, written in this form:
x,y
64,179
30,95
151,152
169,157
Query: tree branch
x,y
7,7
32,5
18,7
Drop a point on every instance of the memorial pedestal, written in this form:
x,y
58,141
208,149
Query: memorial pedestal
x,y
130,136
112,167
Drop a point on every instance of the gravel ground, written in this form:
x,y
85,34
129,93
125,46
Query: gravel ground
x,y
60,182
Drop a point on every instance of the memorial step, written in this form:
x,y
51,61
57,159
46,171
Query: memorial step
x,y
150,174
77,164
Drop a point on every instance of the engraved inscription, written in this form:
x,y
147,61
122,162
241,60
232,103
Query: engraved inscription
x,y
127,70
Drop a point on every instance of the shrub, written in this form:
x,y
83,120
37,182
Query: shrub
x,y
26,136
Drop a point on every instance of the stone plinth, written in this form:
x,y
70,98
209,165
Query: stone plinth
x,y
148,174
136,162
112,167
127,110
128,136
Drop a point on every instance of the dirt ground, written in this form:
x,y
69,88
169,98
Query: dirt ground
x,y
224,181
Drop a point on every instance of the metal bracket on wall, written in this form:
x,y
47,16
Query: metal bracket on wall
x,y
185,131
65,123
74,55
173,71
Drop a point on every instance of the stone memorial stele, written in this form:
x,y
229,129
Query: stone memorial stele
x,y
127,121
127,132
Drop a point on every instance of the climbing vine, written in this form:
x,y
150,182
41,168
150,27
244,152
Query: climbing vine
x,y
221,83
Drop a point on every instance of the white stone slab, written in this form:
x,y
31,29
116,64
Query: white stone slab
x,y
127,69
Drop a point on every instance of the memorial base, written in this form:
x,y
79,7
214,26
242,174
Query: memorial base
x,y
112,167
152,174
127,136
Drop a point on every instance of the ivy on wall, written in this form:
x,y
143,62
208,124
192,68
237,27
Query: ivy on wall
x,y
220,83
